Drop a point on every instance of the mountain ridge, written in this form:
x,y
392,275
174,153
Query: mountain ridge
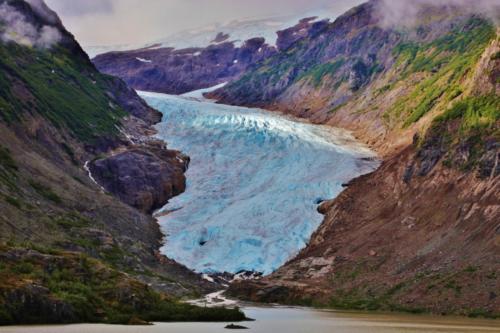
x,y
425,96
435,193
420,234
69,250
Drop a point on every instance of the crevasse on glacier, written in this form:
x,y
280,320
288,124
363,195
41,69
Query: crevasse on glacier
x,y
254,183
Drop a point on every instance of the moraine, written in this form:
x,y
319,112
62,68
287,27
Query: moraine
x,y
254,182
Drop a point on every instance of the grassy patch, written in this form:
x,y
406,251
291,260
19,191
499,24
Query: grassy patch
x,y
13,201
63,88
6,160
446,61
45,192
474,114
466,127
91,291
319,72
8,168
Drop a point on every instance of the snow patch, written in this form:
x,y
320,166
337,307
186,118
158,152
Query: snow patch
x,y
207,277
144,60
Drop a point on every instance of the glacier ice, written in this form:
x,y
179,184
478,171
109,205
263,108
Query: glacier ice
x,y
254,183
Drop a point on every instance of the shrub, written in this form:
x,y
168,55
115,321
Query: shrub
x,y
45,192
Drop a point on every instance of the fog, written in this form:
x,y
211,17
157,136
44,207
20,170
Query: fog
x,y
403,12
15,28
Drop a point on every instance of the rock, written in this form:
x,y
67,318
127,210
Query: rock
x,y
290,36
235,327
143,177
136,321
179,71
128,99
33,304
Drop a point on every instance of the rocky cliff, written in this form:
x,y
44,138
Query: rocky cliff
x,y
65,242
421,233
168,70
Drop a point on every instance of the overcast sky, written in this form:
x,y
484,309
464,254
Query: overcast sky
x,y
105,22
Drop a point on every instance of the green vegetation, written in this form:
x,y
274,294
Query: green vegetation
x,y
475,114
45,192
468,124
335,109
89,291
317,73
60,87
13,201
72,220
7,163
445,61
353,292
8,169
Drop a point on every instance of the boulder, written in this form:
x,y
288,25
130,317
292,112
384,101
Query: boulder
x,y
143,177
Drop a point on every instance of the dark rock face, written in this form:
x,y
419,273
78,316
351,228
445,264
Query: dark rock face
x,y
143,178
179,71
68,212
304,29
34,302
128,99
354,42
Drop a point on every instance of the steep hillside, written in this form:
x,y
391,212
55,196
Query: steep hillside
x,y
174,71
177,71
378,81
70,251
421,233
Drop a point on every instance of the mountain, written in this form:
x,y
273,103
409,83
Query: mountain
x,y
236,31
420,234
71,250
180,71
206,57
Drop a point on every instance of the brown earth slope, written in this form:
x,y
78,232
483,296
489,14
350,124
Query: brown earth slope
x,y
422,233
69,250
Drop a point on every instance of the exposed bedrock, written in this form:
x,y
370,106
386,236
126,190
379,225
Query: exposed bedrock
x,y
143,177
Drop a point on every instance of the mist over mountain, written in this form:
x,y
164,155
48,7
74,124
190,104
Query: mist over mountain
x,y
342,155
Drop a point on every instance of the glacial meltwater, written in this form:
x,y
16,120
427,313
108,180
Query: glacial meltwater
x,y
254,182
293,320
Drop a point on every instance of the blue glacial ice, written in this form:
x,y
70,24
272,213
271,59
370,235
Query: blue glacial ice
x,y
254,183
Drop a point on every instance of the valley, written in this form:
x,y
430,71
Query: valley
x,y
249,165
349,163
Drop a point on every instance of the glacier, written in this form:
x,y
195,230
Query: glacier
x,y
254,183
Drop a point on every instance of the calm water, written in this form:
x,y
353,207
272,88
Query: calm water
x,y
253,175
294,320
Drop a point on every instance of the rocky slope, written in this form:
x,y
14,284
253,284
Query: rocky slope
x,y
179,71
421,233
172,71
65,243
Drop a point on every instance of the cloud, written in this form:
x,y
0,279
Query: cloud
x,y
405,12
15,28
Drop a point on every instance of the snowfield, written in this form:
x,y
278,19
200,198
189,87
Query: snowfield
x,y
254,183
